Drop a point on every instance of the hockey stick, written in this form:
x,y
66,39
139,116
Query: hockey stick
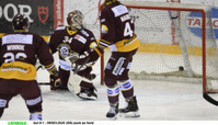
x,y
44,83
209,99
77,68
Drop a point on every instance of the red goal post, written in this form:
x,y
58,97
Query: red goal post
x,y
172,7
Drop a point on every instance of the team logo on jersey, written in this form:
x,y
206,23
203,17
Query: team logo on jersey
x,y
194,23
64,50
80,38
43,14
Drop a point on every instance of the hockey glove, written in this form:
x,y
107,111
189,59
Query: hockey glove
x,y
55,81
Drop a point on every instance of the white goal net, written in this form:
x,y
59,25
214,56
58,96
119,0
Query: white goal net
x,y
173,38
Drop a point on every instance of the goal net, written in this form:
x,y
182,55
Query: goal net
x,y
192,57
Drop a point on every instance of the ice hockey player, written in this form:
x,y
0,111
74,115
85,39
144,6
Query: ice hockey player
x,y
77,44
18,54
117,30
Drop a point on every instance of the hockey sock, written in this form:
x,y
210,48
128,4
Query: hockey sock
x,y
127,88
1,112
113,94
36,116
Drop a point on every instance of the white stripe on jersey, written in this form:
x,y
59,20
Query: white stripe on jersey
x,y
60,28
17,38
119,10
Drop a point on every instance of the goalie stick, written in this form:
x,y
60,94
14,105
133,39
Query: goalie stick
x,y
209,99
77,67
44,83
74,70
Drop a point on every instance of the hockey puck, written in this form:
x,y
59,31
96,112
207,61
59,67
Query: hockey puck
x,y
181,68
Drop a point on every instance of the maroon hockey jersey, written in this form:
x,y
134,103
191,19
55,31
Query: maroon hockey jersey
x,y
67,41
18,54
117,28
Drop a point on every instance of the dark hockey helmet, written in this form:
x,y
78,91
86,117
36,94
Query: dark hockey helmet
x,y
111,1
75,19
20,21
108,2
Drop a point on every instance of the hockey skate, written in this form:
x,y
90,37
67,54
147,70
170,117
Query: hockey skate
x,y
87,94
131,110
113,111
87,91
36,117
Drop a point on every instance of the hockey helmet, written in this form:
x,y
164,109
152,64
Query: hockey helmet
x,y
75,19
20,21
108,2
111,1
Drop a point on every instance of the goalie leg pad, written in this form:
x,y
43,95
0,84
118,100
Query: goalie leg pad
x,y
85,86
87,91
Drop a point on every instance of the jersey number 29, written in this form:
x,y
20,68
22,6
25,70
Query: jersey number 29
x,y
11,57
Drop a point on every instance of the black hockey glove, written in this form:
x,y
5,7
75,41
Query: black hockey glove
x,y
55,81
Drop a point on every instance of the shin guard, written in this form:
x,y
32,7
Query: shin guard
x,y
127,88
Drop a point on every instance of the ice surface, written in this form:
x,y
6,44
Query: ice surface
x,y
157,101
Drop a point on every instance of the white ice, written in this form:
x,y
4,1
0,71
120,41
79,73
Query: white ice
x,y
157,101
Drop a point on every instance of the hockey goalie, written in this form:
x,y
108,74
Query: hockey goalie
x,y
78,51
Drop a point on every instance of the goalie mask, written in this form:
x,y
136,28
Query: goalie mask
x,y
20,22
75,19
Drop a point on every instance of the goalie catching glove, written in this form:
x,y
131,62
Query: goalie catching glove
x,y
55,81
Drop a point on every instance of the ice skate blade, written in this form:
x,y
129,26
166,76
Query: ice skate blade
x,y
130,114
86,97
